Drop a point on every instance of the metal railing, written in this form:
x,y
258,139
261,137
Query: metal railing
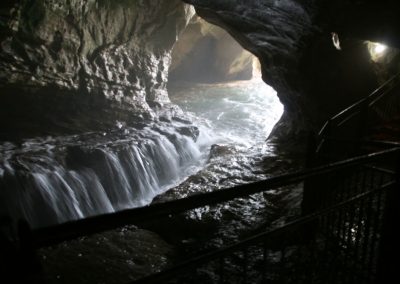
x,y
338,242
339,222
360,114
70,230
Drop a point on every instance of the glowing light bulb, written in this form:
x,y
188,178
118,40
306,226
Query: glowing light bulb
x,y
377,51
379,48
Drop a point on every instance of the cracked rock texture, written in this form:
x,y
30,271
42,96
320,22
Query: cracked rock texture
x,y
85,63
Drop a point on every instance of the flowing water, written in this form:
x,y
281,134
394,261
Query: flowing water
x,y
240,113
237,117
51,180
55,179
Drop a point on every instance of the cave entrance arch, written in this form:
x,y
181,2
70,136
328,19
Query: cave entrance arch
x,y
212,76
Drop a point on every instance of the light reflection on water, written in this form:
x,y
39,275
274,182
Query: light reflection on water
x,y
240,113
239,116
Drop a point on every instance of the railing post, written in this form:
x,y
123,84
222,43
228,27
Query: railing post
x,y
323,147
311,150
18,261
362,127
28,265
388,264
8,250
311,198
308,204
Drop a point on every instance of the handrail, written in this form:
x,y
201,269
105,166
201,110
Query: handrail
x,y
356,107
374,97
264,236
46,236
390,144
383,143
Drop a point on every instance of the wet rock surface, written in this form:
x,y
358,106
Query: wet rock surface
x,y
293,40
277,32
57,179
217,57
111,257
212,227
70,66
78,66
130,253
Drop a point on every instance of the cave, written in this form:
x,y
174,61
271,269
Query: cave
x,y
213,78
116,162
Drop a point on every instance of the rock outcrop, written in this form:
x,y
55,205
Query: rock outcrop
x,y
292,39
205,53
81,65
277,32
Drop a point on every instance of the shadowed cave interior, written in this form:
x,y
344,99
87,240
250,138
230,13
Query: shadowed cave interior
x,y
112,105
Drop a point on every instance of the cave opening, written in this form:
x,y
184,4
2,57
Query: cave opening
x,y
215,79
135,146
218,85
88,128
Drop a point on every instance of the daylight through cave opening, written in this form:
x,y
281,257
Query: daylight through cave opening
x,y
106,137
216,79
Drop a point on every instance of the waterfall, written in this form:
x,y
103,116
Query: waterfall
x,y
54,180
